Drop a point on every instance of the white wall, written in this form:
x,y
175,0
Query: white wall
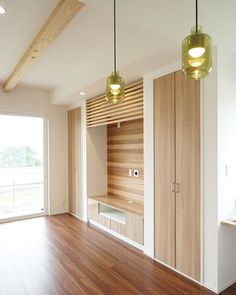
x,y
227,165
209,154
97,161
31,101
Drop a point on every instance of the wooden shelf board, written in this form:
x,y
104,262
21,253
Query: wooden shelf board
x,y
229,223
126,205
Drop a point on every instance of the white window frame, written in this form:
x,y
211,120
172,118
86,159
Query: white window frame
x,y
45,165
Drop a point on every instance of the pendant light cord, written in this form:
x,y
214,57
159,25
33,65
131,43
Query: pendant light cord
x,y
196,16
115,36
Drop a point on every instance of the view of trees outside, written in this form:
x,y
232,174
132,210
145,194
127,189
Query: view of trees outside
x,y
22,156
21,165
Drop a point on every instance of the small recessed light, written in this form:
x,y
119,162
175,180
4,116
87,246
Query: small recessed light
x,y
2,10
82,93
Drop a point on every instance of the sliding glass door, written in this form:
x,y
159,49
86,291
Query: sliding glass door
x,y
23,190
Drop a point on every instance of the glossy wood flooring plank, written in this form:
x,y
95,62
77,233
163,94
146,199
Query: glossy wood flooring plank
x,y
11,279
61,255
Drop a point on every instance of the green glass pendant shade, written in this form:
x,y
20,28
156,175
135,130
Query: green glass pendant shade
x,y
115,85
196,55
115,88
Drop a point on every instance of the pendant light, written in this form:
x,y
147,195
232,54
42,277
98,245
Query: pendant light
x,y
196,53
115,85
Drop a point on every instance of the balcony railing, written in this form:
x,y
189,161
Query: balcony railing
x,y
21,197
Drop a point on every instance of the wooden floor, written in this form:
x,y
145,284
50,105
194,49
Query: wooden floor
x,y
61,255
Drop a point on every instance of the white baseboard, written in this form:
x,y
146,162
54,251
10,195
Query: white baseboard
x,y
76,216
227,285
182,274
221,288
132,243
57,213
22,217
209,287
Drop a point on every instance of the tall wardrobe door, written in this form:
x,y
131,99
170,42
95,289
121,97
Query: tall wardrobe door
x,y
164,170
188,176
74,144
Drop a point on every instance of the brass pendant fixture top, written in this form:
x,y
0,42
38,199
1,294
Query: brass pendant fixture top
x,y
115,84
197,53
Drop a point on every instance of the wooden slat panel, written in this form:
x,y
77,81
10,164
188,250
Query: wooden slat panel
x,y
116,120
164,170
129,88
63,13
123,112
99,103
123,155
110,109
188,176
99,112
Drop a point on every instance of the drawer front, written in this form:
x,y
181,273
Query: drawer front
x,y
118,227
134,228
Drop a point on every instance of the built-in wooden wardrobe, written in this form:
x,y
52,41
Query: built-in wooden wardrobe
x,y
74,161
177,173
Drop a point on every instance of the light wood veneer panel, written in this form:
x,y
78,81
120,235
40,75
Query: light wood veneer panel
x,y
164,169
134,228
124,152
118,227
188,176
74,146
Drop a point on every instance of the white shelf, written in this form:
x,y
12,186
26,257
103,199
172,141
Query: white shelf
x,y
112,213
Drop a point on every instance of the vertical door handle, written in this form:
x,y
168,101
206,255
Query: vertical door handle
x,y
177,188
173,187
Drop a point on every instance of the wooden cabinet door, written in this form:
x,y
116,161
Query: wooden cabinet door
x,y
74,152
134,227
165,169
188,176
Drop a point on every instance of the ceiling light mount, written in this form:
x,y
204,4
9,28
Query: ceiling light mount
x,y
115,84
196,53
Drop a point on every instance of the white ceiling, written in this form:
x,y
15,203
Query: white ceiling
x,y
149,36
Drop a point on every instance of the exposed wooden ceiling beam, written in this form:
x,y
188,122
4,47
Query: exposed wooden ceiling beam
x,y
63,13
